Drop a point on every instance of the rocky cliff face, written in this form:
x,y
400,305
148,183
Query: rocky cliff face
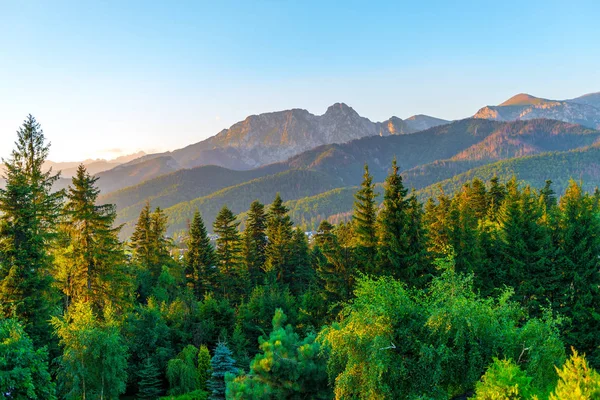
x,y
526,107
272,137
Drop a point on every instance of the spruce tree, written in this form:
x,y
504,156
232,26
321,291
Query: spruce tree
x,y
222,363
579,285
548,195
334,273
417,261
365,221
278,251
149,384
229,254
92,260
200,259
255,242
496,195
392,226
29,212
302,272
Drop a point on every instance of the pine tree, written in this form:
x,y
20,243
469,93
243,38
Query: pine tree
x,y
392,225
478,198
92,260
365,218
548,195
287,368
278,251
222,363
29,212
200,259
255,242
149,385
229,254
417,262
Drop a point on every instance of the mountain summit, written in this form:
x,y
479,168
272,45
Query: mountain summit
x,y
272,137
582,110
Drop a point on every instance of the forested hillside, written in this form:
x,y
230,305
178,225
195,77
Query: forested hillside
x,y
490,291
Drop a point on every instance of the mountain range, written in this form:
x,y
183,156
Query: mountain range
x,y
317,161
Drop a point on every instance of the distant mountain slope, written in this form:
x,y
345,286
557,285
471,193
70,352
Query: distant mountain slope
x,y
582,165
591,99
583,111
427,157
273,137
133,173
291,184
180,186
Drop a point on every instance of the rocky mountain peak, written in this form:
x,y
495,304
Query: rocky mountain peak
x,y
340,109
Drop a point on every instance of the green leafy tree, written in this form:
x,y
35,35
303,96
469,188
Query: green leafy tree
x,y
278,264
365,224
255,242
222,363
286,368
577,380
149,384
504,380
200,259
182,371
394,343
29,212
23,369
229,254
94,359
91,263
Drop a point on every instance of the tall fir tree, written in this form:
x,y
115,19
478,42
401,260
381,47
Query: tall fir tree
x,y
91,264
149,384
200,259
496,196
300,260
418,266
579,285
29,212
255,242
365,224
230,255
392,226
279,245
148,241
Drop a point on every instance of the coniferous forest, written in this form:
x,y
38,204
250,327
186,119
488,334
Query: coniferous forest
x,y
490,292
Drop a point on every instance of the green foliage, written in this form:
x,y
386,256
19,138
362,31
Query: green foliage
x,y
503,380
364,218
199,259
94,359
182,371
29,213
278,252
287,368
23,369
392,343
90,262
577,381
204,368
229,254
255,242
222,364
195,395
149,384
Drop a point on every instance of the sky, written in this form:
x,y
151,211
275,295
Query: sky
x,y
107,78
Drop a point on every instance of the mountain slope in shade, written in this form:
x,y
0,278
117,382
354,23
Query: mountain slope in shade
x,y
272,137
591,99
131,174
526,107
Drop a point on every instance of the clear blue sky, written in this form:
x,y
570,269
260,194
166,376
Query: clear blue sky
x,y
105,77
